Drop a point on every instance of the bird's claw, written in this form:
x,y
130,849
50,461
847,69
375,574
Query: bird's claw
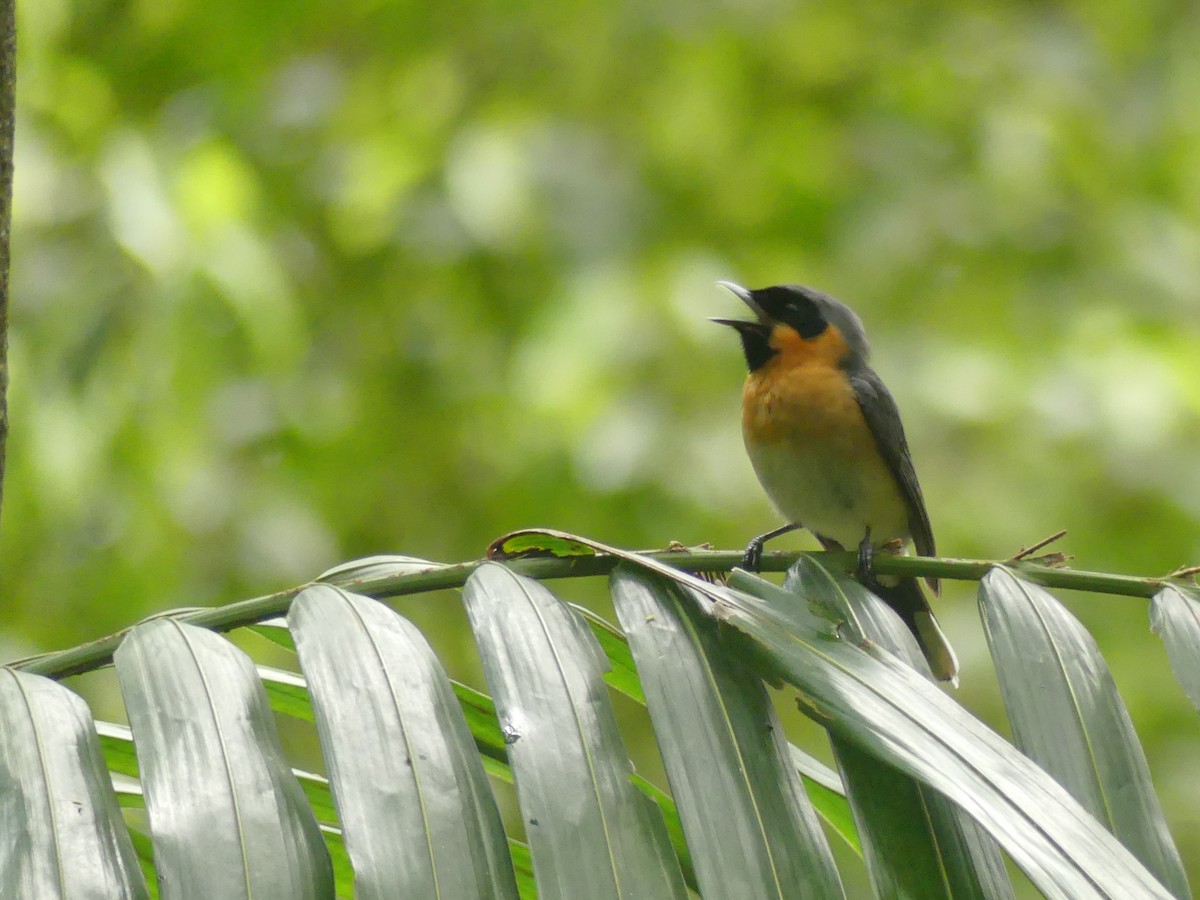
x,y
752,558
866,560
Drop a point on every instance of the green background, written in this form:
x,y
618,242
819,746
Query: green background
x,y
296,282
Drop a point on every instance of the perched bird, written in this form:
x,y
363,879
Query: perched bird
x,y
825,438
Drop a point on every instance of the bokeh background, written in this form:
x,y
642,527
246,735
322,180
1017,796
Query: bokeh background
x,y
296,282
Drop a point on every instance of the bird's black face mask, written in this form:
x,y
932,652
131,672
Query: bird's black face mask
x,y
756,341
789,306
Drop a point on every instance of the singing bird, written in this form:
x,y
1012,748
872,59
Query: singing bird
x,y
825,439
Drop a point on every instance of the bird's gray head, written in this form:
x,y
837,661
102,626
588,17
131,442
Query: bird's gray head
x,y
817,321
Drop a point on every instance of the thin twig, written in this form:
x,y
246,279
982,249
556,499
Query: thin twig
x,y
1185,572
1028,551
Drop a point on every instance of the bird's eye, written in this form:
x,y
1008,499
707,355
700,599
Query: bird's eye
x,y
805,316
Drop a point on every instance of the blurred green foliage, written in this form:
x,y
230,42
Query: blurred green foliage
x,y
295,282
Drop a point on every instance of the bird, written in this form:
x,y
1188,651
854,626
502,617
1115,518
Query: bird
x,y
824,436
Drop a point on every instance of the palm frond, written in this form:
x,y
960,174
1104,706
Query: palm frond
x,y
207,803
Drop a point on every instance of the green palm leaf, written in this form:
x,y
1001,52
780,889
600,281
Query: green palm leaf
x,y
751,828
916,842
63,832
1175,617
228,817
1067,717
591,833
417,816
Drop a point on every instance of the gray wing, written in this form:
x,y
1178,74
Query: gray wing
x,y
883,418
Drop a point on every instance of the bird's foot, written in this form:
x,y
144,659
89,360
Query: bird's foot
x,y
752,558
866,561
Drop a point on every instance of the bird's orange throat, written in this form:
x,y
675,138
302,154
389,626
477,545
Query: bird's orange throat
x,y
827,349
802,390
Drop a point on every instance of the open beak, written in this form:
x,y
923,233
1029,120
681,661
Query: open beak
x,y
748,298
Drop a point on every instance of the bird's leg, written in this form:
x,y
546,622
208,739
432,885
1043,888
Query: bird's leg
x,y
752,558
866,560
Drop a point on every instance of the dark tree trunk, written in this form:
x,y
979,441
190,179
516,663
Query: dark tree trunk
x,y
8,100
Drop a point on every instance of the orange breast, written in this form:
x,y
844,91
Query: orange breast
x,y
807,403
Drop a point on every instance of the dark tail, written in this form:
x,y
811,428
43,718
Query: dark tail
x,y
909,601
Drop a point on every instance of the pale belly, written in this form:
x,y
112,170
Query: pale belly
x,y
831,492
